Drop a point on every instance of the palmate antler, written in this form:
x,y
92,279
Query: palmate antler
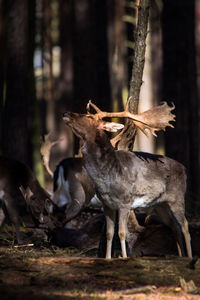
x,y
154,119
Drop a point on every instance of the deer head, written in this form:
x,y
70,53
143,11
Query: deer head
x,y
88,124
152,120
39,204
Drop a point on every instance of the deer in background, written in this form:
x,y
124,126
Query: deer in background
x,y
17,179
73,190
129,180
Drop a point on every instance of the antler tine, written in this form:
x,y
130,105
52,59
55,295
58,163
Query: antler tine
x,y
93,105
99,114
127,103
88,106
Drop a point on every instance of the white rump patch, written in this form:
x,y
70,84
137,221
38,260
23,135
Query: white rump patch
x,y
95,202
144,202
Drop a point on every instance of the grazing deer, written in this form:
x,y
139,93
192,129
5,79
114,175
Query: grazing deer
x,y
16,179
129,180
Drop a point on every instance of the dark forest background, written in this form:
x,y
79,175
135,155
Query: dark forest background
x,y
55,55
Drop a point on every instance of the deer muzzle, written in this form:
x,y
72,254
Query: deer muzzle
x,y
69,116
66,117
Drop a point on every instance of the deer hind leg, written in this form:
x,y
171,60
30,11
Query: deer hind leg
x,y
187,238
137,227
123,219
176,228
110,228
181,230
168,216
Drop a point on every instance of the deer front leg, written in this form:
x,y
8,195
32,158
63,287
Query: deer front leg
x,y
123,219
110,228
14,216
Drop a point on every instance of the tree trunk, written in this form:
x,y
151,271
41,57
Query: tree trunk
x,y
15,133
48,72
66,76
90,54
117,51
179,86
1,73
34,149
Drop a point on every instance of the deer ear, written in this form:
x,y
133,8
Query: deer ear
x,y
27,193
111,126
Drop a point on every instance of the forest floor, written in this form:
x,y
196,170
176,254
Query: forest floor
x,y
47,272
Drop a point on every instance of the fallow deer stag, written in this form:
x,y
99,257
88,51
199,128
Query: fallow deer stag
x,y
129,180
17,179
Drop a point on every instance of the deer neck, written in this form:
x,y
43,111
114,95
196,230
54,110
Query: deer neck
x,y
98,153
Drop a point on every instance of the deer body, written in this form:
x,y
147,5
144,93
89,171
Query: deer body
x,y
16,179
74,191
125,180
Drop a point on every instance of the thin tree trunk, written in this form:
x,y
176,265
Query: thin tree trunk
x,y
125,140
139,55
35,133
49,97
